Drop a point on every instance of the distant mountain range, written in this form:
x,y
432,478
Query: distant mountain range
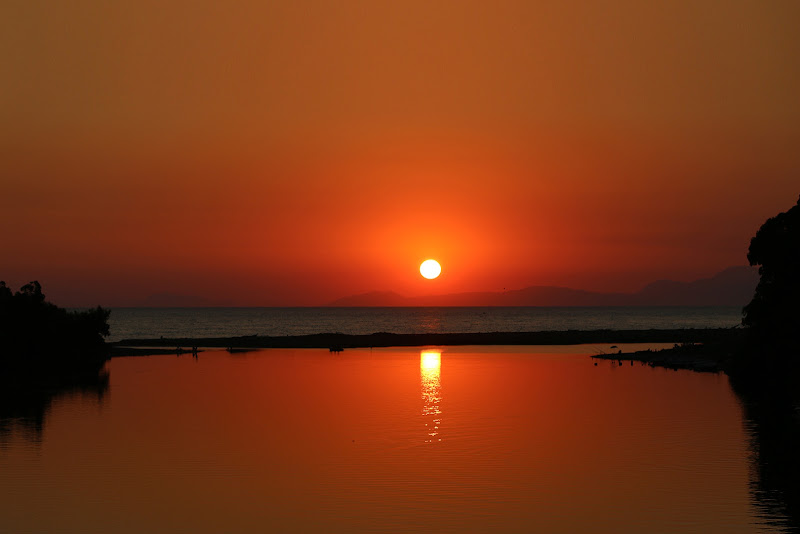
x,y
732,287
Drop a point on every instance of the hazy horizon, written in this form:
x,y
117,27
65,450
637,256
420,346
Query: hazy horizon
x,y
732,286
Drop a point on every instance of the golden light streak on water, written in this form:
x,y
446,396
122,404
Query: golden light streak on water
x,y
430,370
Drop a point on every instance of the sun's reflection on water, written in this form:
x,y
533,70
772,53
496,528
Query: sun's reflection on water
x,y
430,371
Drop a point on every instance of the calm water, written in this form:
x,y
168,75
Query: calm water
x,y
489,439
128,323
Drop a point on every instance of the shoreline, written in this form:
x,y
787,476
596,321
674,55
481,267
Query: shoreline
x,y
690,357
338,341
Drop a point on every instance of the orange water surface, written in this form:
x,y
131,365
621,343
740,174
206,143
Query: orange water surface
x,y
484,439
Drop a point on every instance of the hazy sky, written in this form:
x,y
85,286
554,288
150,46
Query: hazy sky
x,y
295,152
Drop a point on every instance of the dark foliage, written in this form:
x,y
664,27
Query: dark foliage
x,y
766,373
773,316
34,331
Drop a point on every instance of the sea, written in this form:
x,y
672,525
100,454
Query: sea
x,y
137,323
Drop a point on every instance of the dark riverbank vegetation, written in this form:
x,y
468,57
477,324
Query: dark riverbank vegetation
x,y
767,345
762,362
46,352
773,316
766,372
40,339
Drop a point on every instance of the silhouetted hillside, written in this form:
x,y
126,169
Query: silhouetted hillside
x,y
732,287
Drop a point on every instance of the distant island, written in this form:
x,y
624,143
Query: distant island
x,y
733,286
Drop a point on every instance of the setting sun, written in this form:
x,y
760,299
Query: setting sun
x,y
430,269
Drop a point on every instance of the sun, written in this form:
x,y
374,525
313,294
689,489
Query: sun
x,y
430,269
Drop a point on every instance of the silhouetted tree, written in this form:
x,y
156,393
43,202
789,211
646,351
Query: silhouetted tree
x,y
35,333
773,316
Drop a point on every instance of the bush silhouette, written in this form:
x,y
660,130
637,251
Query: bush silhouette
x,y
33,330
773,316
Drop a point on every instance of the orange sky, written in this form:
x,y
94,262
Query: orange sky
x,y
293,153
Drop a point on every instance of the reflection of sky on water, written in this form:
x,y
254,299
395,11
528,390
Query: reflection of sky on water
x,y
430,370
312,431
